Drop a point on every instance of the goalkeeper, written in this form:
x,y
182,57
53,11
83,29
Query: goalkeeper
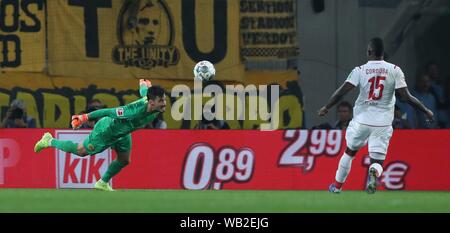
x,y
112,130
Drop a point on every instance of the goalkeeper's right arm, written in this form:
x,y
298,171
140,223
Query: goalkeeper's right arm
x,y
123,112
128,111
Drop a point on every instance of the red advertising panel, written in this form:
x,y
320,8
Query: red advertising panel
x,y
227,159
20,167
73,171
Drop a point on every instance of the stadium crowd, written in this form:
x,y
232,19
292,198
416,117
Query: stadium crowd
x,y
431,88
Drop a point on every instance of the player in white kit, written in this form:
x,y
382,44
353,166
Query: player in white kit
x,y
378,81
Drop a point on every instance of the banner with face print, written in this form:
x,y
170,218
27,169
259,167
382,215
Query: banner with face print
x,y
157,39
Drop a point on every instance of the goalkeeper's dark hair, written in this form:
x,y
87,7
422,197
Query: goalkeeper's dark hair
x,y
155,91
377,46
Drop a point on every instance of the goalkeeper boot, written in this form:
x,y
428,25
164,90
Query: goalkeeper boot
x,y
372,184
102,185
43,143
332,188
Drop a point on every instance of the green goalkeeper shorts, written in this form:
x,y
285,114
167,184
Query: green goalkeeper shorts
x,y
100,139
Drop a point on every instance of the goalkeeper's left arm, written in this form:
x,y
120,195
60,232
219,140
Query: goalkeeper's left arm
x,y
144,84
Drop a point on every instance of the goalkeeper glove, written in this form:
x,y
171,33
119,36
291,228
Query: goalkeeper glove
x,y
78,120
145,82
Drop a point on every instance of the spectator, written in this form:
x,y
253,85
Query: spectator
x,y
93,105
322,126
345,115
408,111
447,100
399,121
432,70
214,124
16,117
211,124
423,93
438,91
158,123
294,88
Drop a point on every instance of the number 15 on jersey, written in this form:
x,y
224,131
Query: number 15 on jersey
x,y
376,87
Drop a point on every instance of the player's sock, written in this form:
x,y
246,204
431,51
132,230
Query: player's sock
x,y
377,168
345,163
338,185
113,169
376,162
67,146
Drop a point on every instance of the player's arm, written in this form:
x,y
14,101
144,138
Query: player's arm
x,y
405,95
124,112
144,84
128,111
402,89
336,97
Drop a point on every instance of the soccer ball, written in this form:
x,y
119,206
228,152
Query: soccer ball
x,y
204,71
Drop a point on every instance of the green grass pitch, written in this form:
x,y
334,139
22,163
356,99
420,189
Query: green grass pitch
x,y
223,201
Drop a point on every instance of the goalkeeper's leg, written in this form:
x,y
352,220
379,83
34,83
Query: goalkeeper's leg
x,y
122,160
68,146
123,151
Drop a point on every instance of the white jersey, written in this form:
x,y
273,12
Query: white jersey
x,y
377,81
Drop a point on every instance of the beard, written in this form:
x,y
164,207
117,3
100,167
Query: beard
x,y
161,109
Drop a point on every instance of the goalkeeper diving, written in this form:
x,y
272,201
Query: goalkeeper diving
x,y
112,130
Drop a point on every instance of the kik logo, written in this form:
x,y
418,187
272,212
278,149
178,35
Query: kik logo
x,y
79,172
82,170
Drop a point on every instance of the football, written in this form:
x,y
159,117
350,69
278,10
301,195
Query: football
x,y
204,71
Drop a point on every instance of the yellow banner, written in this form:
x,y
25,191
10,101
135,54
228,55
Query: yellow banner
x,y
51,100
268,29
160,39
22,35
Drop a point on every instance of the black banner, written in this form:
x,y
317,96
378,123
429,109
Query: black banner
x,y
214,222
268,29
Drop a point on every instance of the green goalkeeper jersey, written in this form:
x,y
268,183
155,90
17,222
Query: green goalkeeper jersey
x,y
125,119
